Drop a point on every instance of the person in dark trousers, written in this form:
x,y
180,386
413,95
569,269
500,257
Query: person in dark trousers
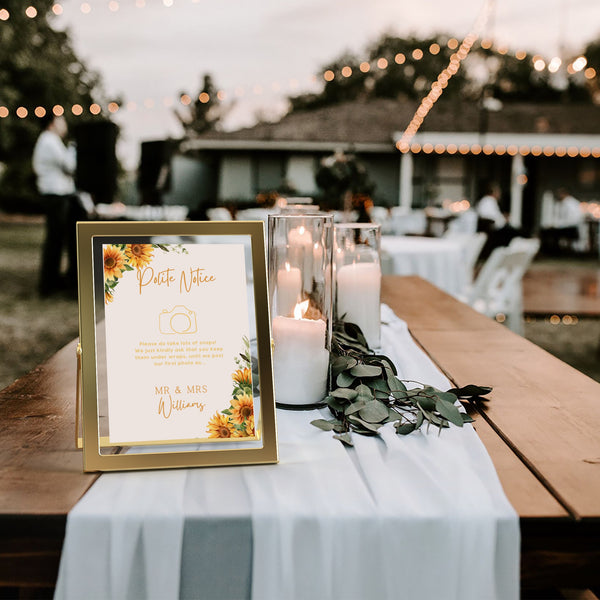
x,y
54,166
492,221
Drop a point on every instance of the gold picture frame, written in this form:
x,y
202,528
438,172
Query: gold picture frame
x,y
99,452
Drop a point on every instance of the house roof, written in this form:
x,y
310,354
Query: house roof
x,y
375,124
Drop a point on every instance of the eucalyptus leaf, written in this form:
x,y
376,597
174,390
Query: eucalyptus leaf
x,y
364,391
419,421
344,379
450,412
323,424
364,424
365,371
354,407
426,403
447,397
335,404
379,384
344,438
467,418
405,428
471,390
345,393
374,412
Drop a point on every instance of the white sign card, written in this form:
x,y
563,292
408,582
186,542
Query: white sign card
x,y
177,343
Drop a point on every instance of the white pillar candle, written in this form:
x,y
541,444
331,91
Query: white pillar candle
x,y
289,286
300,241
358,298
300,360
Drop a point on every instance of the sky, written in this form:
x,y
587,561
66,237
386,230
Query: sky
x,y
260,51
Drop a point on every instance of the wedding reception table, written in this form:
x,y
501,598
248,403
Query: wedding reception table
x,y
441,261
540,429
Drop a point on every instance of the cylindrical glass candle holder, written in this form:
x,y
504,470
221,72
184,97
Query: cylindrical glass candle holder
x,y
301,302
299,209
358,278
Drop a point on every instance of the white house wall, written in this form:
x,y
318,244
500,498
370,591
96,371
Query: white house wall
x,y
300,174
235,178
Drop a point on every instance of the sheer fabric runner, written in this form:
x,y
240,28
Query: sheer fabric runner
x,y
421,516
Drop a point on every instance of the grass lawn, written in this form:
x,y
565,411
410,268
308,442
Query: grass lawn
x,y
32,329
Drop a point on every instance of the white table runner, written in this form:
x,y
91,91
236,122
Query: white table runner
x,y
420,516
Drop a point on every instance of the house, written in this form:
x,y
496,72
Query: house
x,y
529,148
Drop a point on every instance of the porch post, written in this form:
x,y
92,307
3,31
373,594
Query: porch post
x,y
516,190
406,177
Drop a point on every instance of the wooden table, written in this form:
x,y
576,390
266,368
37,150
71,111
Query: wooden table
x,y
541,428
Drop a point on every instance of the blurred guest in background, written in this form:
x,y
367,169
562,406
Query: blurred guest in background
x,y
566,219
54,166
492,221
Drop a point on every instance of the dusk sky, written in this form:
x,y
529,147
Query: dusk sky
x,y
260,51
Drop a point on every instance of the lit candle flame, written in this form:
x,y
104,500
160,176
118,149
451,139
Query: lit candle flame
x,y
300,309
287,267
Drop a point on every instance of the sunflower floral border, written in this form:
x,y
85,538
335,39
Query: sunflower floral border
x,y
120,258
237,421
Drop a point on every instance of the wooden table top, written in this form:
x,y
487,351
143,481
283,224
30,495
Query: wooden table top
x,y
541,429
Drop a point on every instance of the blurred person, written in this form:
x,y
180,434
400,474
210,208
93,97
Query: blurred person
x,y
564,229
54,166
493,221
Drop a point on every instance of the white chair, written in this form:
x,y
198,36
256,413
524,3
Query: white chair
x,y
381,215
219,213
473,245
528,244
498,290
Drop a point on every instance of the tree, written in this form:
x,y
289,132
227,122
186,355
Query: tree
x,y
205,113
407,67
38,67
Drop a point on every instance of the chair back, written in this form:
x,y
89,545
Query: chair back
x,y
498,285
527,244
219,213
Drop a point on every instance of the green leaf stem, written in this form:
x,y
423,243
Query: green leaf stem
x,y
368,393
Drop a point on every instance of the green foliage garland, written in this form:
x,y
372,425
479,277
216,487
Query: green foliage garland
x,y
369,393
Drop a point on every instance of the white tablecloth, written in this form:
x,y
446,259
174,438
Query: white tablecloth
x,y
416,517
440,261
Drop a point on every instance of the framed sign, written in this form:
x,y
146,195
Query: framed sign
x,y
175,345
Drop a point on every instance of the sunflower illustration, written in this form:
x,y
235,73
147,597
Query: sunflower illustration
x,y
243,376
250,426
114,262
108,297
220,426
139,255
242,408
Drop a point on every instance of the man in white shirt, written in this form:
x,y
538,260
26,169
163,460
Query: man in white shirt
x,y
492,221
566,219
54,165
488,207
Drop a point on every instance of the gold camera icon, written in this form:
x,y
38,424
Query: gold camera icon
x,y
177,320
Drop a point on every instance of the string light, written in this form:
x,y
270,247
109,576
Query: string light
x,y
435,92
4,14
